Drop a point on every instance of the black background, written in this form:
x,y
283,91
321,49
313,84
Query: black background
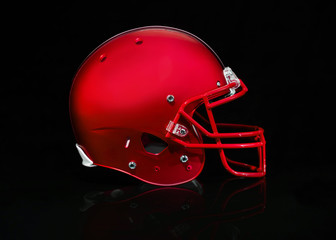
x,y
284,52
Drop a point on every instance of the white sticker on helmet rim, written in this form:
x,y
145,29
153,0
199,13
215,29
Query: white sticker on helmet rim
x,y
86,161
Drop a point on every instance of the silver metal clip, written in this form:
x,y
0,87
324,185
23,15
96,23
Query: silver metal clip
x,y
177,129
231,77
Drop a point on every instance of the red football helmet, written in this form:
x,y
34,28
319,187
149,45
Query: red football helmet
x,y
133,107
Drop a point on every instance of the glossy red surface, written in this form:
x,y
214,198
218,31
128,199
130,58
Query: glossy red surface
x,y
120,92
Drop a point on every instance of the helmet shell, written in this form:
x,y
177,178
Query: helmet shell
x,y
120,92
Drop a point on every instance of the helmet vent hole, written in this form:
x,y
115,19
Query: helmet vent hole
x,y
102,57
138,41
153,144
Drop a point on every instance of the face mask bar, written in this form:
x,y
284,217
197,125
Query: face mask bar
x,y
230,93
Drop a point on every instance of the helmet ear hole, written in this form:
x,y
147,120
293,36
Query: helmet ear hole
x,y
153,144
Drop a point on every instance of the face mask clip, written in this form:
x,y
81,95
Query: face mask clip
x,y
231,77
177,129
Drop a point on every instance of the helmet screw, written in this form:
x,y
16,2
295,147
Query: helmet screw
x,y
218,84
183,131
132,165
184,158
170,98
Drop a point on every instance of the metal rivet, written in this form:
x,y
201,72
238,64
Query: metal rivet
x,y
132,165
170,98
156,168
218,84
183,131
184,158
138,41
102,57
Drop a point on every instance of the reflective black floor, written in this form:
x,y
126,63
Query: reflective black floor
x,y
85,206
188,211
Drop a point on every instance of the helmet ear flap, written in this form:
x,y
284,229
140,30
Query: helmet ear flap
x,y
153,144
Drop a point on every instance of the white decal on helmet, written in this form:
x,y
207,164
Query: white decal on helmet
x,y
87,162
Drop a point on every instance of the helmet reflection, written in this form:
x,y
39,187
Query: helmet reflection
x,y
186,211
